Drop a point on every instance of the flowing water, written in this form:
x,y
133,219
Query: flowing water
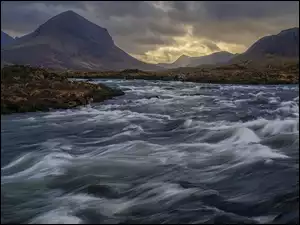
x,y
165,152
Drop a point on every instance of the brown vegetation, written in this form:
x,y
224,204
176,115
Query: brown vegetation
x,y
273,72
24,89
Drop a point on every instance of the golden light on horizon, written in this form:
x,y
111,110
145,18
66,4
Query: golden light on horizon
x,y
187,45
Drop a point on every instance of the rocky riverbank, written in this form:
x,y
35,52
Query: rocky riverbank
x,y
27,89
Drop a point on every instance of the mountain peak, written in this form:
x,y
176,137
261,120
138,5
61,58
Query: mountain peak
x,y
69,15
183,56
73,25
222,53
70,12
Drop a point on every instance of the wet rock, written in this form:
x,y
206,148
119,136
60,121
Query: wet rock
x,y
156,96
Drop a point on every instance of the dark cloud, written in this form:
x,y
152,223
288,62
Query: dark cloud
x,y
136,9
165,27
229,10
239,23
26,16
153,40
139,26
22,18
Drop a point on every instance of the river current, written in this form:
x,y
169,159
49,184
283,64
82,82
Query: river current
x,y
165,152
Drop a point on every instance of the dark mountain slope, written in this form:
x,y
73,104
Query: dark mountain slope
x,y
69,41
6,39
284,45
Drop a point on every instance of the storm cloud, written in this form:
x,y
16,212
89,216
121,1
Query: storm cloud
x,y
160,31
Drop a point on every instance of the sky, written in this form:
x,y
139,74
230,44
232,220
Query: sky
x,y
161,31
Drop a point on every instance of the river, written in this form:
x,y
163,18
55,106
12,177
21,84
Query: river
x,y
165,152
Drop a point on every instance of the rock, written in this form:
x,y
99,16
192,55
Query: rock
x,y
156,96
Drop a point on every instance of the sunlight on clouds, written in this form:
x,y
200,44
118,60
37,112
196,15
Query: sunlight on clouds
x,y
187,45
230,47
13,33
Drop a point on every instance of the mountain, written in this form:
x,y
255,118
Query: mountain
x,y
187,61
214,58
5,39
277,48
282,45
182,61
69,41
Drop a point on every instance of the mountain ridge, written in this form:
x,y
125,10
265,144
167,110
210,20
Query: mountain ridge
x,y
284,45
188,61
69,41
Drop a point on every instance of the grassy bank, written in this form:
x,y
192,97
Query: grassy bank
x,y
27,89
281,73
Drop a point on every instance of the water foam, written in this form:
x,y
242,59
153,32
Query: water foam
x,y
280,126
57,216
42,165
288,107
244,135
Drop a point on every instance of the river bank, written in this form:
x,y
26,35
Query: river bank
x,y
287,73
27,89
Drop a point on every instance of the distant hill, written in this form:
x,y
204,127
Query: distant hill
x,y
284,45
69,41
182,61
6,39
187,61
214,58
